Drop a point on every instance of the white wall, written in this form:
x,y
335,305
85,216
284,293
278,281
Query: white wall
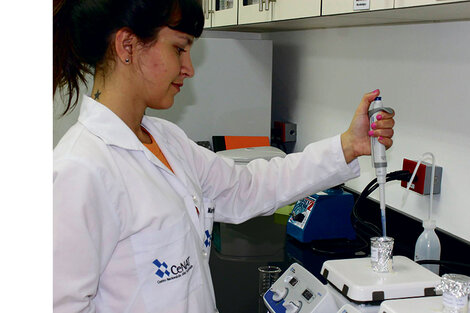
x,y
423,71
230,93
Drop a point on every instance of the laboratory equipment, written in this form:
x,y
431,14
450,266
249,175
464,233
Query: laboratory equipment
x,y
412,305
244,241
354,282
381,256
267,276
353,287
379,158
456,289
347,308
428,246
325,215
297,290
243,156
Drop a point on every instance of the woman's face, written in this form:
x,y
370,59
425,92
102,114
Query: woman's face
x,y
163,68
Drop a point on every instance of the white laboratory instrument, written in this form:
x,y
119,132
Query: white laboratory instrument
x,y
353,287
347,308
413,305
298,291
243,156
244,242
354,282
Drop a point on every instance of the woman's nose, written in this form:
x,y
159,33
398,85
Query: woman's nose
x,y
187,68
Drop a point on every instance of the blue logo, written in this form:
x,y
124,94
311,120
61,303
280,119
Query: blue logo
x,y
162,268
207,242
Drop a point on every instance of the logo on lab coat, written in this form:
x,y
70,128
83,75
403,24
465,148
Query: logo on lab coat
x,y
168,273
207,242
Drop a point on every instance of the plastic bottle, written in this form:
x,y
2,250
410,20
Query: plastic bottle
x,y
428,246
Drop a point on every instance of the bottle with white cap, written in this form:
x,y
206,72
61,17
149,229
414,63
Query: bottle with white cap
x,y
428,246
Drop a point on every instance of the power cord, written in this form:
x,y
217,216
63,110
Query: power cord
x,y
373,185
371,229
449,266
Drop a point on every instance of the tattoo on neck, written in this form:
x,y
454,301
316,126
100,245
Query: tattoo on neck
x,y
97,94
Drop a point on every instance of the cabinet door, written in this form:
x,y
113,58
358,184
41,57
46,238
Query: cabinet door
x,y
253,11
412,3
331,7
289,9
224,12
207,9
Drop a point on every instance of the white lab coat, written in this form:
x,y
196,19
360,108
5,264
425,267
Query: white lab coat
x,y
127,237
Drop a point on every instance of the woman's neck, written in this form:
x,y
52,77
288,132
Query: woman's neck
x,y
113,94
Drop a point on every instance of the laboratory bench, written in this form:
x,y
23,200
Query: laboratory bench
x,y
238,250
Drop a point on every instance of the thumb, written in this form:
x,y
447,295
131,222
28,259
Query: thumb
x,y
366,101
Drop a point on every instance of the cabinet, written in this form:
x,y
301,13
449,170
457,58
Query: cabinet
x,y
331,7
257,11
219,13
282,15
413,3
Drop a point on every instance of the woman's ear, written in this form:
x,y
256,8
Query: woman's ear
x,y
125,44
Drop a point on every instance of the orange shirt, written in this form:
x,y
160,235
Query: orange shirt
x,y
155,149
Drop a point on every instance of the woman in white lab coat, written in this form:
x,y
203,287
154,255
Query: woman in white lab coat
x,y
134,197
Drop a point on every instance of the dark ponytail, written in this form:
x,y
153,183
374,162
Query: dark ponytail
x,y
83,31
68,68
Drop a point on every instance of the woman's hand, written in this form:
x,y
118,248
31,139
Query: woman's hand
x,y
356,140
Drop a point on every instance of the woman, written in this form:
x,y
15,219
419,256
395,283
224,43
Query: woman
x,y
134,198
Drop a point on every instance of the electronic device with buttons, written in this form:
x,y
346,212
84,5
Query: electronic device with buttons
x,y
324,215
298,291
353,287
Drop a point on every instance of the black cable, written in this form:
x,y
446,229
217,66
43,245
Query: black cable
x,y
397,175
441,262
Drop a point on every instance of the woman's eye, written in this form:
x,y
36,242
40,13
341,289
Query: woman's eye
x,y
180,50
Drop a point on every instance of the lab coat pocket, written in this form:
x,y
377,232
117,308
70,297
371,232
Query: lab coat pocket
x,y
167,264
209,208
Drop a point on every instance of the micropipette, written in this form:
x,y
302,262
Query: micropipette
x,y
379,159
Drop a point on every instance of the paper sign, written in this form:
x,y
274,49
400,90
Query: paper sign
x,y
361,5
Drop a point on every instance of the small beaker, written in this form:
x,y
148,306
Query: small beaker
x,y
453,304
381,256
455,288
267,276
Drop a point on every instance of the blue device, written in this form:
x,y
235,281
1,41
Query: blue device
x,y
325,215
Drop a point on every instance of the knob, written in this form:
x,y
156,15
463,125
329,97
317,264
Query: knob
x,y
299,217
278,295
291,307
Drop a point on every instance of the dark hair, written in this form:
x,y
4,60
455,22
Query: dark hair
x,y
83,30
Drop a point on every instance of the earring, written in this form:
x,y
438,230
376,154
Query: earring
x,y
127,60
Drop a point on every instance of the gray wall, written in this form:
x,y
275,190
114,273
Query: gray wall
x,y
423,71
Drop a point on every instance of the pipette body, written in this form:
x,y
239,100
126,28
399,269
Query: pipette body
x,y
379,159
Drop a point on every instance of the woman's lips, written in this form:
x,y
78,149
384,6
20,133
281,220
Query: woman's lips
x,y
177,86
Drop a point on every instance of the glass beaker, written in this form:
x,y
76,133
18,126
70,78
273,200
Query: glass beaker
x,y
267,276
455,288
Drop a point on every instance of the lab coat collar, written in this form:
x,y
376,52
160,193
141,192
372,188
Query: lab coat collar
x,y
105,124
